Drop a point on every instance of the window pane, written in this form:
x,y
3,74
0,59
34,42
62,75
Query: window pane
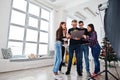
x,y
16,47
43,49
30,48
16,33
33,9
33,22
45,14
17,18
44,25
31,35
43,37
20,4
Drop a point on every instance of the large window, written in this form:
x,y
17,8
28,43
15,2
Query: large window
x,y
28,29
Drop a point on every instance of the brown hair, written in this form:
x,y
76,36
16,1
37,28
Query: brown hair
x,y
59,32
60,26
74,21
81,22
92,27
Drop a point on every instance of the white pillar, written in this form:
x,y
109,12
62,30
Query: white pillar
x,y
56,17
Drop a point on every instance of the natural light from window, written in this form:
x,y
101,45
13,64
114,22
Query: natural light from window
x,y
28,29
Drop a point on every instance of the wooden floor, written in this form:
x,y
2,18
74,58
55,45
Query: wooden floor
x,y
47,74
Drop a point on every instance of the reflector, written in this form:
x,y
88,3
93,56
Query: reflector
x,y
112,24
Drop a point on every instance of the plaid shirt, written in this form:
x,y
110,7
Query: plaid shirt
x,y
92,39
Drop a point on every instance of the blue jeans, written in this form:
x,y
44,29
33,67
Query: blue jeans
x,y
58,56
95,53
85,50
75,48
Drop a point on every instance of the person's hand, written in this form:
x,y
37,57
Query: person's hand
x,y
76,38
68,36
84,36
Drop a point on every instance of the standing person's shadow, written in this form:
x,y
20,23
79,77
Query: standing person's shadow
x,y
71,77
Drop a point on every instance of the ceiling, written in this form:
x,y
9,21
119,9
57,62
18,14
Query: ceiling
x,y
76,6
67,3
64,3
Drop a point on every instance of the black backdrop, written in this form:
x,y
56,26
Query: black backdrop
x,y
112,24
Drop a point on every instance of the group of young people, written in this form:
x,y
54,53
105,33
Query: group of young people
x,y
79,46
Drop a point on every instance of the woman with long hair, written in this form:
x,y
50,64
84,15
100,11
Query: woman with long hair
x,y
95,47
58,48
64,42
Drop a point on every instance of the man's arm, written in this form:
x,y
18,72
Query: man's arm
x,y
69,34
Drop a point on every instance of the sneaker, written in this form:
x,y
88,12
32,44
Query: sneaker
x,y
96,75
88,74
80,73
93,74
55,73
63,64
67,73
61,72
58,77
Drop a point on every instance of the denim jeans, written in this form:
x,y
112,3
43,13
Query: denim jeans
x,y
63,53
58,56
75,48
85,50
95,53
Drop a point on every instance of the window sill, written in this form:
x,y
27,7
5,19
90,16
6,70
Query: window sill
x,y
28,59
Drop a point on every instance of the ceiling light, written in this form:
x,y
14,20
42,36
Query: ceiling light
x,y
79,15
52,0
89,11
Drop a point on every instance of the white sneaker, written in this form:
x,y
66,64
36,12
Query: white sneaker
x,y
58,77
61,72
88,74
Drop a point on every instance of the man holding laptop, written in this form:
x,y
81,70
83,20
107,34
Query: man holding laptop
x,y
75,35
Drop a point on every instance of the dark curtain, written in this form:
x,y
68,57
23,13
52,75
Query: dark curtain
x,y
112,24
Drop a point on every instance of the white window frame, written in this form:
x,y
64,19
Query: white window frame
x,y
29,27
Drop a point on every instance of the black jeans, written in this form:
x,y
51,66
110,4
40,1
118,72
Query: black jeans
x,y
78,54
63,52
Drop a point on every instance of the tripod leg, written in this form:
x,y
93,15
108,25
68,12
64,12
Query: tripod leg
x,y
106,75
112,75
100,73
92,77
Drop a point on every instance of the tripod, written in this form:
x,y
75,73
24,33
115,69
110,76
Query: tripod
x,y
106,69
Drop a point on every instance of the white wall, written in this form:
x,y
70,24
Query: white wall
x,y
4,21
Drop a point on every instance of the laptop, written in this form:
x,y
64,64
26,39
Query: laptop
x,y
77,34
